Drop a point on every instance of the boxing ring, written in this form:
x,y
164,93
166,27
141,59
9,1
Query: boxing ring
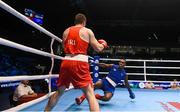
x,y
146,100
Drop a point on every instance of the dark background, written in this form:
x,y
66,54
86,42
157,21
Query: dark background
x,y
120,22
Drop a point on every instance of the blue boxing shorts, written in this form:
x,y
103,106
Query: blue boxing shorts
x,y
107,87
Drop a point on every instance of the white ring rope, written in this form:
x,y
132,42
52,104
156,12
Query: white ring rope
x,y
105,73
145,67
27,104
27,20
52,64
139,60
52,59
31,50
18,78
155,67
33,102
27,49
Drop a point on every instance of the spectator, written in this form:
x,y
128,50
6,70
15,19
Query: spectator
x,y
174,84
23,93
149,85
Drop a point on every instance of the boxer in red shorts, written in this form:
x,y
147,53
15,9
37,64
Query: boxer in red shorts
x,y
75,68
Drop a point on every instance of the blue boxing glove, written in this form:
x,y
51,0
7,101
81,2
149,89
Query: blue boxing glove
x,y
131,95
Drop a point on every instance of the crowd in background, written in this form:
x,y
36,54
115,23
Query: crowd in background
x,y
10,66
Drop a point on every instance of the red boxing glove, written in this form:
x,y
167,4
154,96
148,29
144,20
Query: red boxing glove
x,y
103,42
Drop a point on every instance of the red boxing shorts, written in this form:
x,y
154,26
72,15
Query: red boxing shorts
x,y
75,72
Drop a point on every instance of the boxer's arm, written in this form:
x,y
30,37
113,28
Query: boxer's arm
x,y
104,65
94,43
65,34
131,94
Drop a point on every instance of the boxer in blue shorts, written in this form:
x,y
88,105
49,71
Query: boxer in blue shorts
x,y
108,84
